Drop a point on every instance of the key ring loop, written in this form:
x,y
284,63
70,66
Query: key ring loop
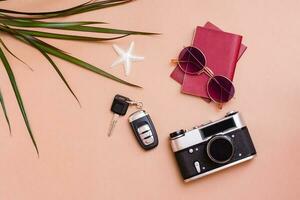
x,y
138,104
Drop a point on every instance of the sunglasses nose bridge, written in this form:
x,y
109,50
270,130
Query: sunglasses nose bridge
x,y
209,71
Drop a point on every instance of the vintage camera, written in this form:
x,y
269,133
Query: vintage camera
x,y
212,147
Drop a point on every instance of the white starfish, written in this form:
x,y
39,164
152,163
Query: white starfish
x,y
126,57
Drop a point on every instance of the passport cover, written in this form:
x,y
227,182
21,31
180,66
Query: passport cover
x,y
221,50
178,74
214,27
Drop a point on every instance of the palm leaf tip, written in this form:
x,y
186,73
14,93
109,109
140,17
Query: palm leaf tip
x,y
18,96
4,111
60,74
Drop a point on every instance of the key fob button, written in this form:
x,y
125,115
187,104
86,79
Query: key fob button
x,y
143,129
148,140
145,135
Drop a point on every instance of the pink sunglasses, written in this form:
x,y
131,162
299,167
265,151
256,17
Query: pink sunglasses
x,y
192,61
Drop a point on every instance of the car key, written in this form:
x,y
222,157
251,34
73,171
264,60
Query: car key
x,y
119,107
143,129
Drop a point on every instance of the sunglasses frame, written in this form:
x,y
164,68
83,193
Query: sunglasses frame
x,y
204,69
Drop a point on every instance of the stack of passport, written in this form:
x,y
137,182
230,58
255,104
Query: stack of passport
x,y
222,51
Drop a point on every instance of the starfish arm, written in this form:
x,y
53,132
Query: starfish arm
x,y
127,67
136,58
118,50
130,48
120,60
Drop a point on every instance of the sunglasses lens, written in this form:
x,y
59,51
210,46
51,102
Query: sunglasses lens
x,y
191,60
220,89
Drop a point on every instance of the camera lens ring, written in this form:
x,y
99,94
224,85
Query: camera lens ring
x,y
229,144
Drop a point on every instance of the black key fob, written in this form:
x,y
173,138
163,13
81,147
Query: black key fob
x,y
143,129
120,105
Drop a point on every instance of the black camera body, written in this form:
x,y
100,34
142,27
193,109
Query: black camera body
x,y
212,147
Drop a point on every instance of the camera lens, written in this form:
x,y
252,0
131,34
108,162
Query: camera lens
x,y
220,149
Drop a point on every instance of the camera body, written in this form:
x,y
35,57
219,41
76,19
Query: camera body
x,y
213,146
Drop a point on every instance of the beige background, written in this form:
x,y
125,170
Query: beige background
x,y
77,160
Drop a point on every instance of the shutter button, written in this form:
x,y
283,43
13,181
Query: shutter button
x,y
197,166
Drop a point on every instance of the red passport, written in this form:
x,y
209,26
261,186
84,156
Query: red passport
x,y
221,50
178,74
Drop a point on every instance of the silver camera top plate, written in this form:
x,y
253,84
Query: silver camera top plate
x,y
196,136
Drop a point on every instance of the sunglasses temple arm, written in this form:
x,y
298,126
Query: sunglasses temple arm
x,y
179,65
179,61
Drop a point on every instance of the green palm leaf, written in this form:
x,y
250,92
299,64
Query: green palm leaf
x,y
4,110
71,26
65,36
18,96
104,30
34,23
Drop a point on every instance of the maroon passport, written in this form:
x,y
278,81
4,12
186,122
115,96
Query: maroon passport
x,y
178,74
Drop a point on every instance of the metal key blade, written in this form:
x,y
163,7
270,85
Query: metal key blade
x,y
113,124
